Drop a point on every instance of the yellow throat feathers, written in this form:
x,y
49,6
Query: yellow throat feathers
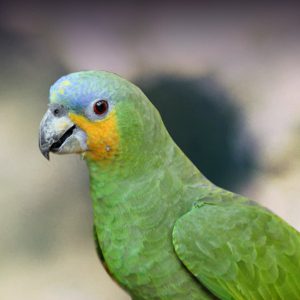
x,y
102,136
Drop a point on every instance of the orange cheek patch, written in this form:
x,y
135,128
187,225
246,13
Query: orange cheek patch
x,y
102,135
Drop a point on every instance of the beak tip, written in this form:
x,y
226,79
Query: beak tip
x,y
45,152
47,156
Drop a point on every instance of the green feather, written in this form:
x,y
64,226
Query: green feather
x,y
240,250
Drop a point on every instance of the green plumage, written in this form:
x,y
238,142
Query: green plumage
x,y
253,253
165,231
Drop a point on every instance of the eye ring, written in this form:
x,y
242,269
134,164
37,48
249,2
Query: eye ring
x,y
100,107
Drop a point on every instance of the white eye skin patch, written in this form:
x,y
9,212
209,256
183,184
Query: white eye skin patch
x,y
90,113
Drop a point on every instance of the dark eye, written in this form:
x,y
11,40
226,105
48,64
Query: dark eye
x,y
100,107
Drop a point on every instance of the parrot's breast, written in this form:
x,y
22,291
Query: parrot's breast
x,y
134,224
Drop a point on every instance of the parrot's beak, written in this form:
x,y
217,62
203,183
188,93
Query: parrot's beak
x,y
58,134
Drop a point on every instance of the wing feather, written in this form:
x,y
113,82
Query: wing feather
x,y
240,251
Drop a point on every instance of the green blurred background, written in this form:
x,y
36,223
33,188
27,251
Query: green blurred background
x,y
225,78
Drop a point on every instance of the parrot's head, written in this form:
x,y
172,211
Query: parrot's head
x,y
99,114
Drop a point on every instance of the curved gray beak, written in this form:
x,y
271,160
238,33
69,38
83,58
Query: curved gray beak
x,y
58,134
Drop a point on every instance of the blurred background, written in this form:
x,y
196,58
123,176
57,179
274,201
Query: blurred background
x,y
225,78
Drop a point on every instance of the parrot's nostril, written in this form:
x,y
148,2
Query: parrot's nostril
x,y
58,110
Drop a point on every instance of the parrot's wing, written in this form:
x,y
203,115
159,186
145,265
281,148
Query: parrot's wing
x,y
240,251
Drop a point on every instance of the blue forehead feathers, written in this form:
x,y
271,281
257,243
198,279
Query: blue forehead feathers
x,y
77,91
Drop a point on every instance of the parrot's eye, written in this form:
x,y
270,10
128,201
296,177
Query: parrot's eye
x,y
100,107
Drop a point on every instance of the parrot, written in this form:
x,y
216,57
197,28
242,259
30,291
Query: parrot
x,y
162,229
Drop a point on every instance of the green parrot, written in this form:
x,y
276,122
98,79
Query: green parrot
x,y
162,230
